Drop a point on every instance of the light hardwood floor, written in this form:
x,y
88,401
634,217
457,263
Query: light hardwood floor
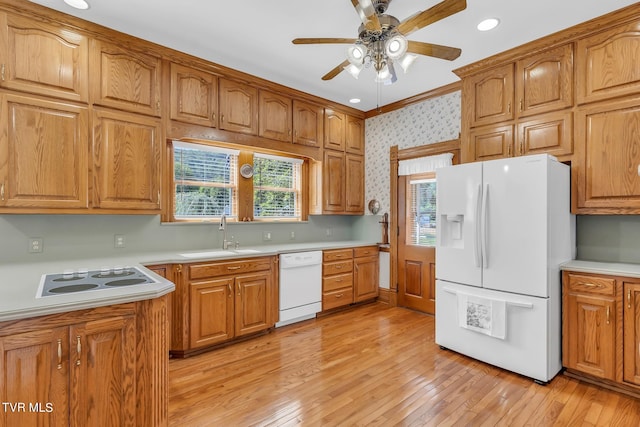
x,y
374,366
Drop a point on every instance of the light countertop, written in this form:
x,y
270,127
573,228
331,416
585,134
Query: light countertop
x,y
19,282
597,267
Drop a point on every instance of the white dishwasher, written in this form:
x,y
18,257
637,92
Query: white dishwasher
x,y
300,286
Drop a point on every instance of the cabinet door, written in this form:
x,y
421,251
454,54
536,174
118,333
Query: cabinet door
x,y
354,188
631,301
354,141
333,181
550,133
211,312
590,331
44,148
544,82
608,163
35,370
275,116
491,142
308,124
253,302
39,58
126,161
490,95
125,79
194,96
335,124
607,63
238,107
365,278
103,372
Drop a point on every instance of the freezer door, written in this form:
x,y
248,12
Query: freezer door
x,y
458,257
514,225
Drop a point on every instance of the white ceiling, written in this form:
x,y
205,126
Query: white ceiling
x,y
255,36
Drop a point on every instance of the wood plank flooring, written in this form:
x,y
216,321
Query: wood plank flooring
x,y
374,366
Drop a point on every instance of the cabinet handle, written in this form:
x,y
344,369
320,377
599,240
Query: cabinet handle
x,y
233,268
2,192
508,150
157,105
508,107
59,354
339,280
629,298
179,268
593,285
213,117
238,287
521,105
2,72
339,296
78,349
339,267
222,117
230,290
608,314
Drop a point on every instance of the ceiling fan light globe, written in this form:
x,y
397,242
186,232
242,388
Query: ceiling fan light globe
x,y
396,46
354,70
406,61
355,54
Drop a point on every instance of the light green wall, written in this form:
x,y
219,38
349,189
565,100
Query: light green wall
x,y
610,238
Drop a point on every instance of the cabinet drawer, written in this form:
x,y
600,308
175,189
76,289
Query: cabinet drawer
x,y
329,268
337,255
365,251
337,298
336,282
201,271
591,284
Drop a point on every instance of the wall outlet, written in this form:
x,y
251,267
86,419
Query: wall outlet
x,y
292,235
118,241
328,232
266,236
35,245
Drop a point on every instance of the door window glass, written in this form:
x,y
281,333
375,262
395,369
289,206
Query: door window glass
x,y
421,210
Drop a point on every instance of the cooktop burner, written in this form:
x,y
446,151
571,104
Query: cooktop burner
x,y
71,281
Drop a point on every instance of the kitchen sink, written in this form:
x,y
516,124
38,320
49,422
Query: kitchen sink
x,y
246,251
219,253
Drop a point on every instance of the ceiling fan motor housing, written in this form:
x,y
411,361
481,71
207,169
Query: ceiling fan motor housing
x,y
381,6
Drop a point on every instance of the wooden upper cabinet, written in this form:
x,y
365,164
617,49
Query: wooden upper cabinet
x,y
354,184
544,82
194,96
550,133
45,59
354,141
238,107
333,182
275,116
490,142
335,124
308,123
607,168
607,63
126,161
490,95
44,147
125,79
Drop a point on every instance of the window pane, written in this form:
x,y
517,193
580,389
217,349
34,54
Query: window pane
x,y
205,182
276,184
422,215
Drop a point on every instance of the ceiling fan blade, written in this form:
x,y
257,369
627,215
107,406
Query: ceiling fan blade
x,y
435,50
431,15
367,14
331,74
319,40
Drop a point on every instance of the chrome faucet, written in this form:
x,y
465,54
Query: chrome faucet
x,y
223,228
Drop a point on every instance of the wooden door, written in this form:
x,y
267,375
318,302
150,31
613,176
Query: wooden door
x,y
126,161
354,184
333,182
238,107
103,372
40,58
211,312
354,139
194,96
490,95
491,142
544,81
308,124
590,333
550,133
253,302
416,243
125,79
34,370
631,301
335,124
44,147
365,277
275,119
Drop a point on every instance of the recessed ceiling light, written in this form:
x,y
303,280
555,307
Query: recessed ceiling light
x,y
354,100
78,4
488,24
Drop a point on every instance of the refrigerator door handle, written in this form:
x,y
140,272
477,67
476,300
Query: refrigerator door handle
x,y
485,252
477,237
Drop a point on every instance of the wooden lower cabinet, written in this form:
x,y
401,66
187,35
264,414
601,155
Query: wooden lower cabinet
x,y
601,329
349,276
217,302
366,269
98,367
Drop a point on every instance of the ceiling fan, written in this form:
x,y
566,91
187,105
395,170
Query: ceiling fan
x,y
382,39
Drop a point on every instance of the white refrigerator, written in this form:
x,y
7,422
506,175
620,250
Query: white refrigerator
x,y
503,229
